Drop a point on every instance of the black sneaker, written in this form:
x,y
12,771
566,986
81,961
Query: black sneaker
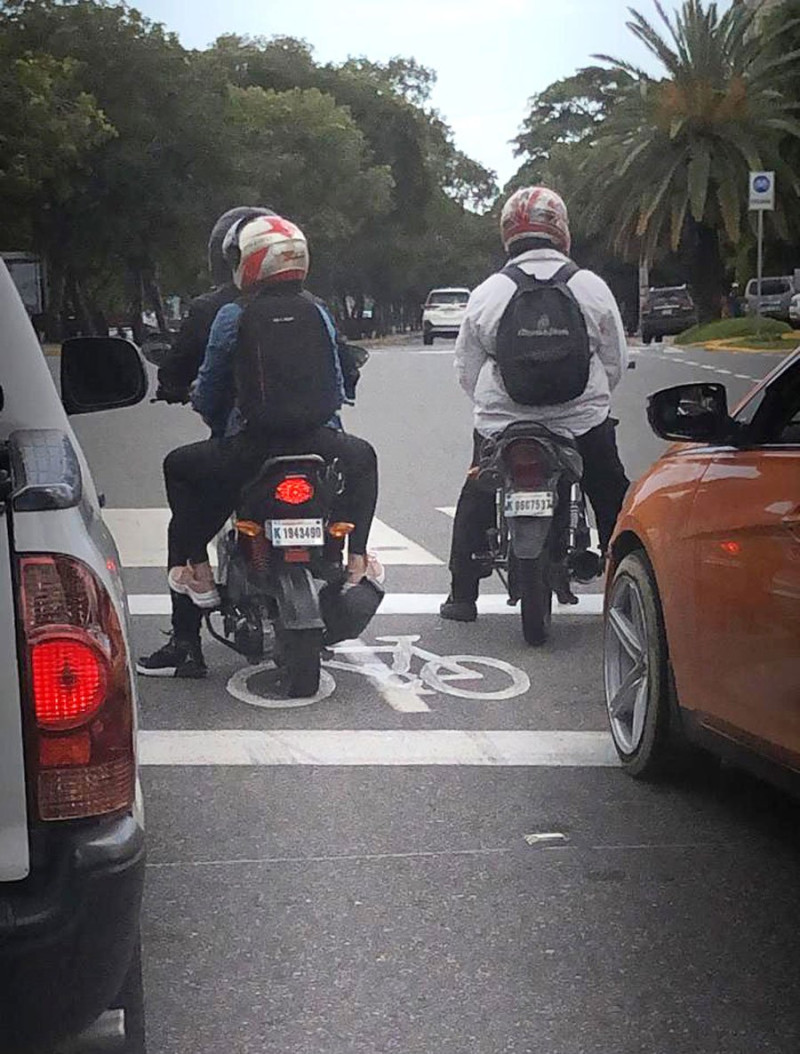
x,y
459,610
177,658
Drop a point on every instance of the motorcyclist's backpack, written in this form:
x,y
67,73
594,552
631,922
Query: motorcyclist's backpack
x,y
543,350
286,377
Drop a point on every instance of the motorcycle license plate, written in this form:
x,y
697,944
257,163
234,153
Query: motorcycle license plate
x,y
284,534
529,503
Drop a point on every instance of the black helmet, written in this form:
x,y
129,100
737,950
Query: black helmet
x,y
221,268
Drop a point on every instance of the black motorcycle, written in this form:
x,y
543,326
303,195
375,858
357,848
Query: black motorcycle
x,y
281,574
540,541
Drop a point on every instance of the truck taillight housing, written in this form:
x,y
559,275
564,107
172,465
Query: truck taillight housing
x,y
81,754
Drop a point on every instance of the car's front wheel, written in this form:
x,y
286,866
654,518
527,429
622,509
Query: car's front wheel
x,y
640,695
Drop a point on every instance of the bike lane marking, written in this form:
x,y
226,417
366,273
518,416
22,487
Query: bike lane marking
x,y
400,686
382,748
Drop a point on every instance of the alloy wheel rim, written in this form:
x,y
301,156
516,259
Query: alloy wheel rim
x,y
626,664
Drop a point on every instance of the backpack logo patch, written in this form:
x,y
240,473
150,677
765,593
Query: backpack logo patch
x,y
544,328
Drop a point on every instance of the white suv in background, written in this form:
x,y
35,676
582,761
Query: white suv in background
x,y
71,831
443,313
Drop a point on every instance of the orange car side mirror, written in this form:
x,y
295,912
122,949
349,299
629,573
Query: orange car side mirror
x,y
693,412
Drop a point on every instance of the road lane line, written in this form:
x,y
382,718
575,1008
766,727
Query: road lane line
x,y
368,747
399,604
743,377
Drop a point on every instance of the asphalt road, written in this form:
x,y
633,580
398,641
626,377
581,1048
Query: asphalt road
x,y
446,861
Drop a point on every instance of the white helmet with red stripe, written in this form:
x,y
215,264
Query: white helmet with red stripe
x,y
535,212
271,249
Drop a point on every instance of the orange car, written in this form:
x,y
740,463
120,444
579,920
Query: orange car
x,y
702,606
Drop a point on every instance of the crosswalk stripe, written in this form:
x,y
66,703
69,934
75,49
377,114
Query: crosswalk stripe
x,y
367,747
399,604
141,537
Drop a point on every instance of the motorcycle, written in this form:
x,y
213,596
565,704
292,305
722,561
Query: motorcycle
x,y
280,569
540,540
281,574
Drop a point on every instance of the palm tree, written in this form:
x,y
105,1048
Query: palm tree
x,y
673,156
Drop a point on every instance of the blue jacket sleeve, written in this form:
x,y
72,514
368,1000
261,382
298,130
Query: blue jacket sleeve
x,y
331,328
212,393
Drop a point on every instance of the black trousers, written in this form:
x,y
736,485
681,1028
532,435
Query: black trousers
x,y
203,482
604,483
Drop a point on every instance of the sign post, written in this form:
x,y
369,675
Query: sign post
x,y
761,192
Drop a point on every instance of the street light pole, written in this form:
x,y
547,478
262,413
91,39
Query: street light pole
x,y
760,268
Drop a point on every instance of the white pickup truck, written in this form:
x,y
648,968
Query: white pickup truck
x,y
71,828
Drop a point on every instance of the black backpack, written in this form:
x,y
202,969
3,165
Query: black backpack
x,y
286,378
542,343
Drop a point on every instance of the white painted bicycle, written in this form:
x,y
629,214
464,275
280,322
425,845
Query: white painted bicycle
x,y
454,675
389,664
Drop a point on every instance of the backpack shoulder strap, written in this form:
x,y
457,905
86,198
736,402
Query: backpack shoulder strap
x,y
521,279
565,273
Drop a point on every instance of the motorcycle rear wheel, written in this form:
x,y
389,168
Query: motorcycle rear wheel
x,y
533,588
299,660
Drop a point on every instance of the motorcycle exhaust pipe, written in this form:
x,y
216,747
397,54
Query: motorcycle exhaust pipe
x,y
585,565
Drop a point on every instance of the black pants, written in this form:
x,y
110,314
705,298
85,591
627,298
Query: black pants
x,y
604,483
203,482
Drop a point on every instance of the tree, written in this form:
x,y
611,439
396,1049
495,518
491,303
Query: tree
x,y
673,154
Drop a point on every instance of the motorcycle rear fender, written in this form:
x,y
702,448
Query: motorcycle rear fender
x,y
297,598
528,535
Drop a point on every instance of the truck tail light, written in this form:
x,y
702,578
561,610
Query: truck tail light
x,y
81,753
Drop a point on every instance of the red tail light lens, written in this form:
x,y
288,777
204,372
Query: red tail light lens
x,y
528,464
70,678
294,490
81,759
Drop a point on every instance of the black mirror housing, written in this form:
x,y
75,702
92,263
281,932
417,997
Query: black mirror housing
x,y
691,412
101,373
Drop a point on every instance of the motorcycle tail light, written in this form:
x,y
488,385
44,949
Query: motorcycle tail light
x,y
294,490
527,464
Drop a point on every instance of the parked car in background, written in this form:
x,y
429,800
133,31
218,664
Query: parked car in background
x,y
794,311
776,296
669,310
702,607
443,313
71,828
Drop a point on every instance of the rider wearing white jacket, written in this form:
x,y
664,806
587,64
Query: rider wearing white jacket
x,y
535,232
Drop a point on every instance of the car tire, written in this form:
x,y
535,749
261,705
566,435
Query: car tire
x,y
427,338
639,687
647,338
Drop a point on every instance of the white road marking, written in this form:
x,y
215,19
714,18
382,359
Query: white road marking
x,y
743,377
367,747
728,373
398,604
239,687
546,838
141,537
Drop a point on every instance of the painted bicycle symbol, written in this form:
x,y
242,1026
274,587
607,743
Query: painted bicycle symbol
x,y
403,672
454,675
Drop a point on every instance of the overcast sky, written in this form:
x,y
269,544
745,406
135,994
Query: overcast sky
x,y
489,55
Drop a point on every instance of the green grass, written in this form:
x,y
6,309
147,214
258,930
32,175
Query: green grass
x,y
761,330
